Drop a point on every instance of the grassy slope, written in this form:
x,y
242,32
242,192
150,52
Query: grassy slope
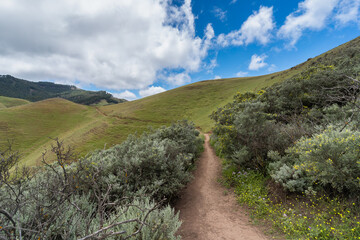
x,y
7,102
88,127
30,126
194,102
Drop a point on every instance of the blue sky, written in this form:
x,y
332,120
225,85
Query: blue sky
x,y
226,16
137,48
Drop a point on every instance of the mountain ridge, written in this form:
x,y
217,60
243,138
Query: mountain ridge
x,y
35,91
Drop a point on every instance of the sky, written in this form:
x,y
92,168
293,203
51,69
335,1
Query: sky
x,y
137,48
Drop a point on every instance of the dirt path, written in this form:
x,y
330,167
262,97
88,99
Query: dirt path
x,y
209,214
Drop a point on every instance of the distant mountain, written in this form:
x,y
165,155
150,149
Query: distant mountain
x,y
36,91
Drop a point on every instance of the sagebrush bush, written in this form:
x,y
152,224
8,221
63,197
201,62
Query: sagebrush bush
x,y
157,164
275,117
160,224
250,133
328,161
73,198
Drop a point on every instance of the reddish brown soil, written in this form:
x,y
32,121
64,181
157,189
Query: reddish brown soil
x,y
207,211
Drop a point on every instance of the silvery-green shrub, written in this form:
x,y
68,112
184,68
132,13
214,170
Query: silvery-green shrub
x,y
69,201
328,161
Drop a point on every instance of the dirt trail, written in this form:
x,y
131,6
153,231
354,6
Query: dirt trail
x,y
209,214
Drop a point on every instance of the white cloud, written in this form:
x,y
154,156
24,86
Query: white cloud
x,y
311,14
113,44
211,65
207,41
348,11
242,74
217,77
179,79
126,94
220,14
257,62
151,91
257,27
233,1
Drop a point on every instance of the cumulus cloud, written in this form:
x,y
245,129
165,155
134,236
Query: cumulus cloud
x,y
151,91
311,14
348,11
113,44
217,77
257,62
126,95
179,79
257,27
242,74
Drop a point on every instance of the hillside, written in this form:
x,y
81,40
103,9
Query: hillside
x,y
88,127
7,102
36,91
31,126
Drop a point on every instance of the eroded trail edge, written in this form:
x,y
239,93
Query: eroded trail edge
x,y
206,211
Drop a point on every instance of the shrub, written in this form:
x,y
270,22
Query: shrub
x,y
121,190
251,133
157,164
274,118
328,161
160,224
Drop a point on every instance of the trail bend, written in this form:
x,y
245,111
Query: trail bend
x,y
206,211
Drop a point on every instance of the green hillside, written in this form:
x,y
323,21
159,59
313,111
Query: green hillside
x,y
37,91
198,100
31,126
7,102
89,127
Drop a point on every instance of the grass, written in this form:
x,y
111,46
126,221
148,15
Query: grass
x,y
194,102
295,216
31,126
7,102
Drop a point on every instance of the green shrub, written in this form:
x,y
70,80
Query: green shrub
x,y
327,161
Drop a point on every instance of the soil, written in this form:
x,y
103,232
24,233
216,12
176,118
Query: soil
x,y
208,210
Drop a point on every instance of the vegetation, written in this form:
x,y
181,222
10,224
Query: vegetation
x,y
31,126
301,136
121,191
6,102
89,128
296,216
36,91
297,138
329,160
